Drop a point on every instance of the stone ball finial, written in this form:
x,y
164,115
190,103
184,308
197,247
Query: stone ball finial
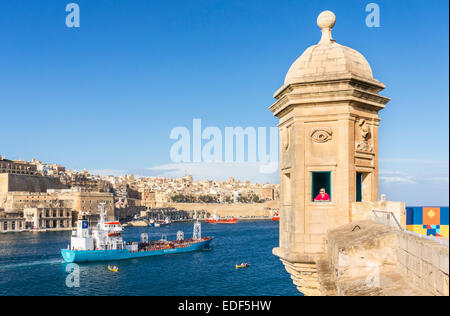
x,y
326,20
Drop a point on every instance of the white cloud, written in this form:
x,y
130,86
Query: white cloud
x,y
391,173
398,179
438,179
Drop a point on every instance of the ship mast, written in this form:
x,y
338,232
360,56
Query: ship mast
x,y
101,210
197,235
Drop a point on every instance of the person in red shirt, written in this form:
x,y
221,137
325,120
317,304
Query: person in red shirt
x,y
322,196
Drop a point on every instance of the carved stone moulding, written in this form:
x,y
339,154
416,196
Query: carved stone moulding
x,y
364,146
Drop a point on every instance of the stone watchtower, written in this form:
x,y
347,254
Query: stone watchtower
x,y
328,111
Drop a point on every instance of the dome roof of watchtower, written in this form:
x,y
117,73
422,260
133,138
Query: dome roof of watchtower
x,y
328,58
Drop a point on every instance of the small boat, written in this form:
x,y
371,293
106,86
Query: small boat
x,y
243,265
276,216
216,220
113,268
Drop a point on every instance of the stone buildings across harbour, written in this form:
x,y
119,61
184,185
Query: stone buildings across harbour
x,y
41,196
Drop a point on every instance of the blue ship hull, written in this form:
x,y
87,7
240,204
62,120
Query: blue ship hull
x,y
123,254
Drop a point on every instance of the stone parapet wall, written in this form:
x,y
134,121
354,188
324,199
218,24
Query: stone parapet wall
x,y
424,262
369,258
364,211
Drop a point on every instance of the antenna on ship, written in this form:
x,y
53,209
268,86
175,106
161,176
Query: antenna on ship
x,y
197,235
101,211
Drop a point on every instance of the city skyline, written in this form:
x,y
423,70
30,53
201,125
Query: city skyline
x,y
105,96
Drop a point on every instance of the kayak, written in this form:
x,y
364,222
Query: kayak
x,y
113,269
242,265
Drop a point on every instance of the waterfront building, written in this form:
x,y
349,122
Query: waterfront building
x,y
11,221
48,217
86,203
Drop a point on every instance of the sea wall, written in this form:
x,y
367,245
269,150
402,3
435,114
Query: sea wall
x,y
238,210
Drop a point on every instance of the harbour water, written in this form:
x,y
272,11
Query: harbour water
x,y
30,264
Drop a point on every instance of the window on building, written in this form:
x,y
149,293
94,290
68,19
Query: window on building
x,y
359,177
363,186
321,186
5,226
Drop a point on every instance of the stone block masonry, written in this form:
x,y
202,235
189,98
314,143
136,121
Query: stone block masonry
x,y
424,262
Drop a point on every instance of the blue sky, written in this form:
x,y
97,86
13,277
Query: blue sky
x,y
105,96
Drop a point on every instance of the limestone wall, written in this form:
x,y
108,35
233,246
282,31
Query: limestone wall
x,y
424,262
27,183
369,258
227,210
363,211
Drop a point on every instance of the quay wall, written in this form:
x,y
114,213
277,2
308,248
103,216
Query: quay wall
x,y
238,210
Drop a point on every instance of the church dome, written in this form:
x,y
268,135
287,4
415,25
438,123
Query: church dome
x,y
328,58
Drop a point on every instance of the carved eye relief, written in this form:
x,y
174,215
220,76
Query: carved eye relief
x,y
321,135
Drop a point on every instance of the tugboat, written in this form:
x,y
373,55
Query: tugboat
x,y
105,243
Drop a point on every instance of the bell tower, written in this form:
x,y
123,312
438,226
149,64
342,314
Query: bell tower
x,y
328,123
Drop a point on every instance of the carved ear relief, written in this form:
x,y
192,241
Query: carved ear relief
x,y
321,135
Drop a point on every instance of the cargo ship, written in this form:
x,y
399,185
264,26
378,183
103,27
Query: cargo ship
x,y
105,243
214,219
